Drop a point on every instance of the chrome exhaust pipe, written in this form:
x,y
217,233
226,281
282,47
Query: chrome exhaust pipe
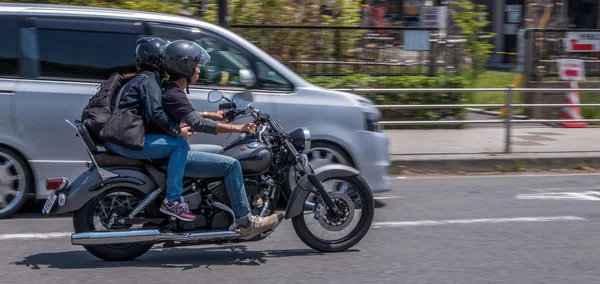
x,y
152,236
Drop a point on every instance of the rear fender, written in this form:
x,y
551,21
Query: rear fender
x,y
296,204
90,184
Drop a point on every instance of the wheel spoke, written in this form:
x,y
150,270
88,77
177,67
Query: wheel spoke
x,y
329,157
13,178
6,190
316,154
7,164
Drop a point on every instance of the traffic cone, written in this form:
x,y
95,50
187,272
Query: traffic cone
x,y
572,112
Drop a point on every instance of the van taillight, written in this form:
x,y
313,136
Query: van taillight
x,y
54,184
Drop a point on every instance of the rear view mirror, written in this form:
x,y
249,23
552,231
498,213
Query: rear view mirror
x,y
214,96
247,78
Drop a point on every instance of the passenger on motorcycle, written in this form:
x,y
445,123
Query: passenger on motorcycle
x,y
143,96
182,60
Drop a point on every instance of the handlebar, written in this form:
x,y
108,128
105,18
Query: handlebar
x,y
231,114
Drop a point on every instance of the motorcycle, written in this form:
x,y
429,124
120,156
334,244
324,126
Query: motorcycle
x,y
116,201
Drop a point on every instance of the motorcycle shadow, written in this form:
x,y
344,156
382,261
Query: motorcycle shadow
x,y
235,255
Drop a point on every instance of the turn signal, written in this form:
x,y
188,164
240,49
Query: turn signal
x,y
55,184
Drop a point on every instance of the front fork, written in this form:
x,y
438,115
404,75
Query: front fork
x,y
320,189
302,161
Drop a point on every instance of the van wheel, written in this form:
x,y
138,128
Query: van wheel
x,y
16,182
320,154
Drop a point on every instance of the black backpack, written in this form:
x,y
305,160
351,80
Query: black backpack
x,y
98,110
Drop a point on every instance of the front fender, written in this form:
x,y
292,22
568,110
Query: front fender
x,y
295,206
89,184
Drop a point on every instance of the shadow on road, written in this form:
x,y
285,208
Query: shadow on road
x,y
379,204
184,258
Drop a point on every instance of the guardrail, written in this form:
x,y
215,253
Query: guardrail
x,y
509,105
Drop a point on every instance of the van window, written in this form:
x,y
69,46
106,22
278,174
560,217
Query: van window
x,y
226,61
227,58
85,55
9,65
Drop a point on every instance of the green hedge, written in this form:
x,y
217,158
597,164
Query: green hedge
x,y
416,98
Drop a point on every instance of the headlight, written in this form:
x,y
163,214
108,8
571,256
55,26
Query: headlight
x,y
372,122
301,139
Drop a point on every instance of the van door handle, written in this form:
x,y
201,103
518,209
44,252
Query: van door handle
x,y
7,93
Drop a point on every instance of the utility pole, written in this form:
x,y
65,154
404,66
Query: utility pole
x,y
222,13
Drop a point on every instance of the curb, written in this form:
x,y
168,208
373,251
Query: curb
x,y
484,162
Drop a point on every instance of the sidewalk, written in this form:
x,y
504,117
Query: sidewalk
x,y
482,149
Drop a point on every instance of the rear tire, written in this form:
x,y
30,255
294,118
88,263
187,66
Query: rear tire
x,y
82,222
367,214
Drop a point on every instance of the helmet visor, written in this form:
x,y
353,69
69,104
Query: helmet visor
x,y
201,56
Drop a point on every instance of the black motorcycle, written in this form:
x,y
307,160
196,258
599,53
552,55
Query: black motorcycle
x,y
116,200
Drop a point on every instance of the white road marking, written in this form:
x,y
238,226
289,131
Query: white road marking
x,y
34,236
400,177
377,225
386,197
498,176
57,161
587,195
561,189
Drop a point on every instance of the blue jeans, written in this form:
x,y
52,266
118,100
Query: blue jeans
x,y
158,147
202,162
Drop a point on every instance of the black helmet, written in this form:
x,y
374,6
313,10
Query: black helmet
x,y
148,54
181,57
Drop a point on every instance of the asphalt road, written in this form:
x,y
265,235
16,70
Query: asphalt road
x,y
511,229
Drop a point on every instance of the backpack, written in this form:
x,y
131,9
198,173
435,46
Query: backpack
x,y
98,110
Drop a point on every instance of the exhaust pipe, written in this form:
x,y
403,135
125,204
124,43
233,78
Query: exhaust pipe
x,y
152,236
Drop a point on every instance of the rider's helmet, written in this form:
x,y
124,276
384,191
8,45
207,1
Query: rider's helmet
x,y
181,57
148,54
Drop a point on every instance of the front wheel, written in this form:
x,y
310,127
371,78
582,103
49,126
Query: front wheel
x,y
326,233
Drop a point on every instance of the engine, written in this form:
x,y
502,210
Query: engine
x,y
257,191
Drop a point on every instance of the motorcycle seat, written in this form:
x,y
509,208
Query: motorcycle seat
x,y
108,159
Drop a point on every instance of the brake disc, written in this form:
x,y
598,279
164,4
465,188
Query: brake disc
x,y
346,205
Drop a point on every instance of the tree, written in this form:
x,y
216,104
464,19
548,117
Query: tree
x,y
471,19
295,44
161,6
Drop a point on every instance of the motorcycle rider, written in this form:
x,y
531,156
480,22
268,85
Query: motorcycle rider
x,y
142,95
182,60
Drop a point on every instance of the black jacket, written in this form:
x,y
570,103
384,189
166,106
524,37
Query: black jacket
x,y
178,107
143,96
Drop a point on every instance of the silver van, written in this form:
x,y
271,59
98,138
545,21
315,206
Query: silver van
x,y
52,58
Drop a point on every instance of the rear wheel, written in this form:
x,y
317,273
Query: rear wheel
x,y
324,232
102,212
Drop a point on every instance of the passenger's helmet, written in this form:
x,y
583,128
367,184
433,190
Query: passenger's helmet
x,y
148,54
181,57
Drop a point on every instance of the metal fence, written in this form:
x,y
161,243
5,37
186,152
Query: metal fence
x,y
549,46
346,50
509,105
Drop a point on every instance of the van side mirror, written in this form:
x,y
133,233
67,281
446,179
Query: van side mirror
x,y
247,78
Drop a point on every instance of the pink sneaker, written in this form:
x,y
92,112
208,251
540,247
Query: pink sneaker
x,y
178,209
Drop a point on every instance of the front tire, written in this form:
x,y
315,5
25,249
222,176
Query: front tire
x,y
351,239
83,221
